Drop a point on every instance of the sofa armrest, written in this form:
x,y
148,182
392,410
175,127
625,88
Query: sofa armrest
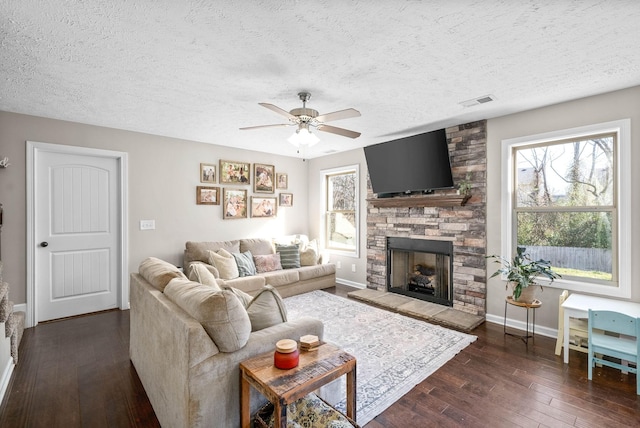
x,y
291,329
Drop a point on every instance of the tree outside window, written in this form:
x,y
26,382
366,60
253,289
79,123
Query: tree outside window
x,y
341,217
565,205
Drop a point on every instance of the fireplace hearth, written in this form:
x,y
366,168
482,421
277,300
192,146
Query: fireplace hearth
x,y
420,268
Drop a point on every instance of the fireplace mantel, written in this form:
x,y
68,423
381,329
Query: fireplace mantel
x,y
445,200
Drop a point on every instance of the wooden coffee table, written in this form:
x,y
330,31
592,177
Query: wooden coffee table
x,y
282,387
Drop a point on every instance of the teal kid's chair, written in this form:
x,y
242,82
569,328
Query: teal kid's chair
x,y
624,348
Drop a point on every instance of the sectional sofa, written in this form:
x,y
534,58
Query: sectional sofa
x,y
187,338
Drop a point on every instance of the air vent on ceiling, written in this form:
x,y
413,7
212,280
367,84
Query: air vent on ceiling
x,y
477,101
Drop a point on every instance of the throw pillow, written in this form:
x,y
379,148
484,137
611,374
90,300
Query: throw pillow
x,y
309,256
245,264
199,273
289,255
267,263
244,298
220,312
266,309
225,263
158,272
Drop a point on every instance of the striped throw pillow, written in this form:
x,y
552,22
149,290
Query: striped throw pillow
x,y
289,255
246,267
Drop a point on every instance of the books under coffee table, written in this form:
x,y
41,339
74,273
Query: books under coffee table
x,y
282,387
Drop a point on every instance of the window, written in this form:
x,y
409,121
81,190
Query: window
x,y
341,209
566,204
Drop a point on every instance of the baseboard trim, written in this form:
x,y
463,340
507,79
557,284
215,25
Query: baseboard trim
x,y
6,377
21,307
520,325
350,283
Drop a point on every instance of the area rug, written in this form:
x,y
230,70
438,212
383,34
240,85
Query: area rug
x,y
393,352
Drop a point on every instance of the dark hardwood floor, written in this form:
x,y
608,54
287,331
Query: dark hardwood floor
x,y
77,373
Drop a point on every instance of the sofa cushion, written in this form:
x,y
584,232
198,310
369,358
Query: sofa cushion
x,y
266,309
225,263
221,314
257,246
289,255
317,271
244,298
198,272
267,263
245,264
281,277
198,250
158,272
309,255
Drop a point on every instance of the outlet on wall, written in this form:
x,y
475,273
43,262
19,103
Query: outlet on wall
x,y
338,264
353,267
147,224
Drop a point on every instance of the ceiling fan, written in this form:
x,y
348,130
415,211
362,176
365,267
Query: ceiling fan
x,y
305,118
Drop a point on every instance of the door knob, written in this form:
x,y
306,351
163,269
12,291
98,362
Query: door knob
x,y
44,244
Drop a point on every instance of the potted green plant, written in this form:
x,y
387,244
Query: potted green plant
x,y
522,272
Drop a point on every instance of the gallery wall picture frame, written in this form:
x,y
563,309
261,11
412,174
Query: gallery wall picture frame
x,y
207,173
234,172
282,181
234,204
263,178
263,207
286,200
207,195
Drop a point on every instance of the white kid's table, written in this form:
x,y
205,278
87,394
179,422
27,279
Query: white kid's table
x,y
578,305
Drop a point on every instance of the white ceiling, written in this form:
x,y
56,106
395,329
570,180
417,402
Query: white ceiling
x,y
196,69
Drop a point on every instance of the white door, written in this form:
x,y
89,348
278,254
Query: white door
x,y
77,234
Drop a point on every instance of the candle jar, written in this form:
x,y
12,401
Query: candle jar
x,y
286,355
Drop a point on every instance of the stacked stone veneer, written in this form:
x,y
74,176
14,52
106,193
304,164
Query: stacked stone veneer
x,y
465,225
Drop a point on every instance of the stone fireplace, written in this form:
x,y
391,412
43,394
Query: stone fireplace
x,y
443,217
420,268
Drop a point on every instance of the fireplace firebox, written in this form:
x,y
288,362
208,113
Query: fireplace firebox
x,y
420,268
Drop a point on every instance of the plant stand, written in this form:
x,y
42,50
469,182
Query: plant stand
x,y
533,306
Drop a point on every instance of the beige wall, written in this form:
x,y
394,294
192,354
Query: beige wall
x,y
163,175
344,274
602,108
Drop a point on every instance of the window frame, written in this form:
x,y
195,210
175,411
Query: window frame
x,y
622,170
325,174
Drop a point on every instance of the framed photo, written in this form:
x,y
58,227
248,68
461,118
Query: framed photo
x,y
264,176
282,181
206,195
286,199
232,172
234,204
207,173
263,207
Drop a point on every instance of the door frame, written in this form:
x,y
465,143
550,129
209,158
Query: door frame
x,y
33,149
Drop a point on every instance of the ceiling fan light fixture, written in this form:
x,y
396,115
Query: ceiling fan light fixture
x,y
303,137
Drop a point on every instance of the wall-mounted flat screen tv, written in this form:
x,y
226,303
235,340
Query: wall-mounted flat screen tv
x,y
419,163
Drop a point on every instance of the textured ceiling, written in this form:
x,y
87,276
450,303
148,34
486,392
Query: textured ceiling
x,y
196,69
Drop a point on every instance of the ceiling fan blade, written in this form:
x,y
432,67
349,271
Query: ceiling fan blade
x,y
337,115
279,111
339,131
265,126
